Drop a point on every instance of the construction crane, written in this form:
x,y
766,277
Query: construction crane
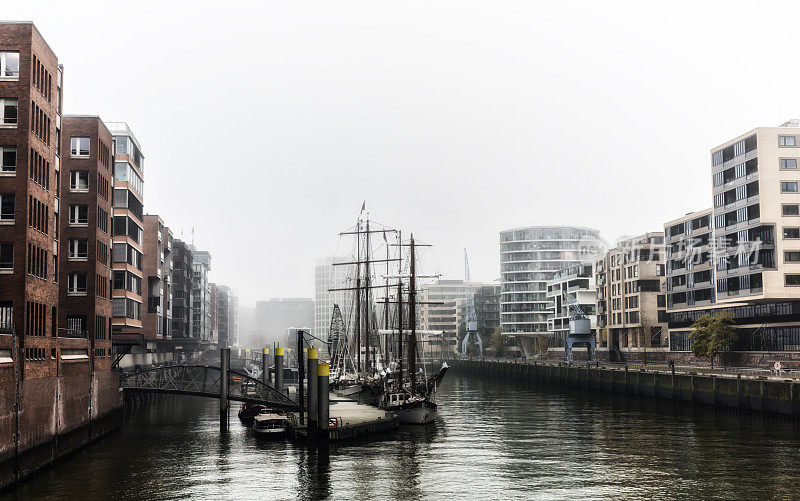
x,y
471,318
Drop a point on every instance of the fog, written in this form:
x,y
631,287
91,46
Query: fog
x,y
265,125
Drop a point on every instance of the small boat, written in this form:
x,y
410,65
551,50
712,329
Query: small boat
x,y
269,425
410,409
249,411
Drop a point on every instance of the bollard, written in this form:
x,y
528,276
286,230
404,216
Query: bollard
x,y
265,365
323,411
313,359
224,362
279,369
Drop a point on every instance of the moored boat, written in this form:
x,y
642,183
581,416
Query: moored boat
x,y
249,411
410,409
270,425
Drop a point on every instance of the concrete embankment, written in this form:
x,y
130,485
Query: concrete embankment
x,y
736,392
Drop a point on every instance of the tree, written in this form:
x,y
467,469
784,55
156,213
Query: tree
x,y
497,342
712,334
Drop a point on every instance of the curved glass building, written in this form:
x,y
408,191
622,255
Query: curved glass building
x,y
529,258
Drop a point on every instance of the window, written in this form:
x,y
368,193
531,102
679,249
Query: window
x,y
6,257
792,280
787,141
791,232
7,207
8,159
9,65
119,280
78,248
76,283
791,210
78,214
79,180
79,147
788,186
9,107
788,163
791,256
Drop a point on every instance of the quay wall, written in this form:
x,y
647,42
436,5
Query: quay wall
x,y
739,393
56,416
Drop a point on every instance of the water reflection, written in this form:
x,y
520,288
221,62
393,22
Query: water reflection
x,y
493,440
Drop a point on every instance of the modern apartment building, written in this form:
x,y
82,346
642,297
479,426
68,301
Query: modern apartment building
x,y
227,315
631,304
442,309
182,283
327,276
201,297
275,317
157,319
756,252
529,258
487,309
569,288
128,235
85,237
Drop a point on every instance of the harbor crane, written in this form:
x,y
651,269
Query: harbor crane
x,y
580,329
470,317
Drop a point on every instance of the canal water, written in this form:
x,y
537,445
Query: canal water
x,y
494,440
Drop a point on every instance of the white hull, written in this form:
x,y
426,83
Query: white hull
x,y
270,431
419,415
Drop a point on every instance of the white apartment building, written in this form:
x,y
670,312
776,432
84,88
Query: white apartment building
x,y
529,258
571,286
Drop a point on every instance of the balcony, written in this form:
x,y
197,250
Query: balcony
x,y
153,303
72,333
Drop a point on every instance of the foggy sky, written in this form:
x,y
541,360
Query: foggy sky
x,y
266,124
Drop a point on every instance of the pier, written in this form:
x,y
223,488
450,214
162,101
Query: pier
x,y
724,389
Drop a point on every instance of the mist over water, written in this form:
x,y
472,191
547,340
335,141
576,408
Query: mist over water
x,y
495,440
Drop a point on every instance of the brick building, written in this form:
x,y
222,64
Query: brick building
x,y
85,237
182,282
56,391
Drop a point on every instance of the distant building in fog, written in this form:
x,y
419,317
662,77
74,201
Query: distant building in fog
x,y
275,317
327,276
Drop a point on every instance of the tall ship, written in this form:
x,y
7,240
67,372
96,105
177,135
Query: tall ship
x,y
376,356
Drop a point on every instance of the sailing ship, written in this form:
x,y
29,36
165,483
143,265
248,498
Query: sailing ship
x,y
367,363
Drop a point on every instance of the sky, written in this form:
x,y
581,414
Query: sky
x,y
265,125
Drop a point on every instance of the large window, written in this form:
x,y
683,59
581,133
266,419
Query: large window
x,y
123,171
8,159
9,107
792,280
79,147
78,214
7,207
787,141
791,232
788,163
76,284
79,180
78,248
790,210
9,65
788,186
6,257
791,256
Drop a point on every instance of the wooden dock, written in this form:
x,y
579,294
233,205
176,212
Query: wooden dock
x,y
349,420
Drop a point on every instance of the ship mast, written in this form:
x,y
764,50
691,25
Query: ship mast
x,y
412,356
400,334
366,305
358,296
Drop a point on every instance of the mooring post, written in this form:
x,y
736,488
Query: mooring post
x,y
279,369
224,362
313,374
323,411
301,373
265,365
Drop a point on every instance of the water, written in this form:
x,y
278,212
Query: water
x,y
495,440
